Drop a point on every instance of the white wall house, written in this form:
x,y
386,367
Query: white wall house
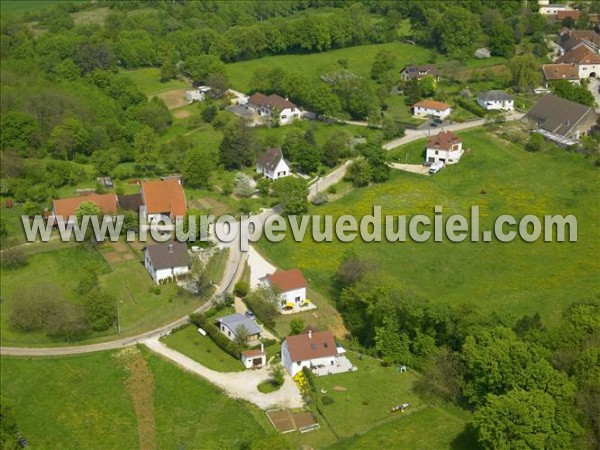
x,y
167,260
445,147
163,198
274,106
311,350
291,287
255,358
272,164
431,108
230,324
586,61
496,100
552,9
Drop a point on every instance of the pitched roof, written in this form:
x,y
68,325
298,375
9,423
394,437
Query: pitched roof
x,y
252,353
287,280
580,55
270,158
444,140
130,202
557,115
164,196
432,104
421,71
68,206
569,39
167,255
272,101
311,345
560,71
234,321
494,95
562,15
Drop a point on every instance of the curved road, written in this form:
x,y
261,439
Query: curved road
x,y
235,263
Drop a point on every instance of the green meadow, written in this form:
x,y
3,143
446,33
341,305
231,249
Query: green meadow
x,y
501,178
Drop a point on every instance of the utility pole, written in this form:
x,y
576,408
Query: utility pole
x,y
118,317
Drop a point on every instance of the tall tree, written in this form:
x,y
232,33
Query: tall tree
x,y
292,193
238,147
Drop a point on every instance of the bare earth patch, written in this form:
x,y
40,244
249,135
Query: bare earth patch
x,y
182,114
173,98
140,386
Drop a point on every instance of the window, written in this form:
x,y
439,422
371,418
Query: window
x,y
437,153
297,299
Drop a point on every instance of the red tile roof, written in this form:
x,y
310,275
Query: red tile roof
x,y
253,353
164,196
287,280
443,141
432,104
272,101
562,15
68,206
315,344
560,71
580,55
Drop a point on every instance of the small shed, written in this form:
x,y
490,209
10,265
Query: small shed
x,y
255,358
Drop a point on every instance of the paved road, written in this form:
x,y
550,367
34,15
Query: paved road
x,y
594,88
323,183
236,384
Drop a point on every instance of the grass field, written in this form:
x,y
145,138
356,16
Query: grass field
x,y
127,279
202,349
148,81
86,402
514,278
18,6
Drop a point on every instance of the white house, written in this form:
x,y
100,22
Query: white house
x,y
197,95
495,99
230,324
445,147
255,358
167,260
163,198
431,108
272,164
312,349
290,285
586,60
419,72
552,9
274,106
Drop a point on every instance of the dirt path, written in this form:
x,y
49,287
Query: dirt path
x,y
140,386
414,168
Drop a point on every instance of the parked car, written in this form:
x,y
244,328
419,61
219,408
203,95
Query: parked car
x,y
249,313
436,167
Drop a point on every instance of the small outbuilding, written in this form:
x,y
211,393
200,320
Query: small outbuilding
x,y
255,358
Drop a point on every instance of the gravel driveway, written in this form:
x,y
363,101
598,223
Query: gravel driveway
x,y
236,384
259,267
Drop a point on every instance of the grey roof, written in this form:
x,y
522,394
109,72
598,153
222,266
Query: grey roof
x,y
421,71
167,255
233,321
557,115
494,96
270,158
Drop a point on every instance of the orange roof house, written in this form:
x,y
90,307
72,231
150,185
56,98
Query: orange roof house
x,y
66,207
287,280
443,141
432,104
165,197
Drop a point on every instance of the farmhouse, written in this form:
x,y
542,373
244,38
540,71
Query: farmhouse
x,y
167,260
164,198
431,108
586,60
272,164
560,120
274,106
496,100
418,72
552,9
552,72
445,147
571,39
64,209
315,350
255,358
231,325
290,285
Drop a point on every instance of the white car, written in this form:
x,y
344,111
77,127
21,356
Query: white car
x,y
436,167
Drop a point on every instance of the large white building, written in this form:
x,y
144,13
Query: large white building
x,y
167,260
313,349
274,106
290,285
587,61
431,108
496,100
445,147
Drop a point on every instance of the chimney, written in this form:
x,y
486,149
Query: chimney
x,y
171,248
310,334
262,347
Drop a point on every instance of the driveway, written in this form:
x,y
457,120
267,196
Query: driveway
x,y
414,168
321,184
235,384
594,86
259,267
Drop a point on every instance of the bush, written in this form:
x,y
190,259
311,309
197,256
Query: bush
x,y
222,301
320,199
13,258
327,400
210,312
332,189
471,106
262,302
201,321
241,289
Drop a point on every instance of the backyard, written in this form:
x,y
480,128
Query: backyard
x,y
501,178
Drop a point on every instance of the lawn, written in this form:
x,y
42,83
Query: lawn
x,y
139,308
514,278
200,348
148,81
86,402
18,6
359,60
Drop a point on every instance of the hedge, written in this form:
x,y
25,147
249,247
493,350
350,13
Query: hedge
x,y
471,107
215,334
